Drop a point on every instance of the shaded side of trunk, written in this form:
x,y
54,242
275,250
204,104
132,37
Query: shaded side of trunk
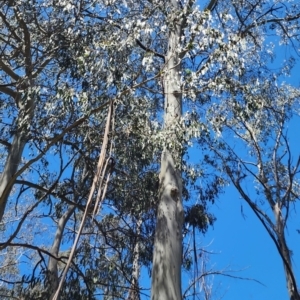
x,y
167,256
52,276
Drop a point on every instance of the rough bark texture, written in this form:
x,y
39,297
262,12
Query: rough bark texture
x,y
167,256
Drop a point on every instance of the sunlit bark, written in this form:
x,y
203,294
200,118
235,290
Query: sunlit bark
x,y
167,257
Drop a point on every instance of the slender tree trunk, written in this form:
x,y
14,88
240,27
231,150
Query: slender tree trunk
x,y
25,99
134,286
15,152
52,278
285,252
167,256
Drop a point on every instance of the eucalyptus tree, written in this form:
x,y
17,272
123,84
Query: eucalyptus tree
x,y
205,57
58,76
259,118
60,117
162,64
46,102
37,42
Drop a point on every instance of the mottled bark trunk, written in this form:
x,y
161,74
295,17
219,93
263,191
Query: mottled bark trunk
x,y
134,286
167,256
286,255
52,276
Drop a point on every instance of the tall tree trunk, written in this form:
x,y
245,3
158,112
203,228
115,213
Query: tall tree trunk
x,y
52,276
167,256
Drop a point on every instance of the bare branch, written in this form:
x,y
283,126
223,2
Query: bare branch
x,y
8,92
211,5
149,50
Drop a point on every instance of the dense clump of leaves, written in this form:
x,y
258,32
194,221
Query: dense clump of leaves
x,y
197,217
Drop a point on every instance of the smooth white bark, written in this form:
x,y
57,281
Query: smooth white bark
x,y
167,256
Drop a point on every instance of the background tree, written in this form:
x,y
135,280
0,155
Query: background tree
x,y
259,122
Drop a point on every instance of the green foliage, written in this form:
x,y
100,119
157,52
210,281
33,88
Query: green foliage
x,y
197,217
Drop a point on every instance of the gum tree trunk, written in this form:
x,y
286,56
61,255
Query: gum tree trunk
x,y
53,280
15,151
167,256
25,99
286,254
134,286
